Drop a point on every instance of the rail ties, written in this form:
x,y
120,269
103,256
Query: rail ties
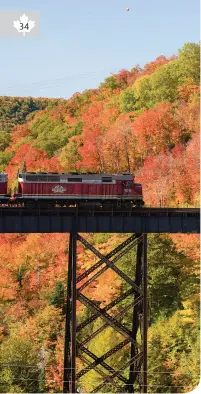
x,y
73,211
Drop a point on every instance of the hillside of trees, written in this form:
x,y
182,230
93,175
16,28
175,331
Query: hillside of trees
x,y
145,121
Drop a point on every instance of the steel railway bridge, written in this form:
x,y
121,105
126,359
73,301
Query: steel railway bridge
x,y
132,376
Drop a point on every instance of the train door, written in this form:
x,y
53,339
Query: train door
x,y
119,188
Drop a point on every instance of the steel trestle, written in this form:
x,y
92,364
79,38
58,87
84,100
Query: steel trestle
x,y
132,375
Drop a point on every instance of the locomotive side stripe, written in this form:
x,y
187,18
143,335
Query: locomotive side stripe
x,y
114,196
92,182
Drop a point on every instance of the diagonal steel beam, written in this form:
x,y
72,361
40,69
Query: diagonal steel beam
x,y
137,376
106,308
121,313
132,360
97,369
109,319
100,360
109,263
102,270
108,256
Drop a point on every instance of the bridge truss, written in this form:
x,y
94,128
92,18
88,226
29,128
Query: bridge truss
x,y
132,376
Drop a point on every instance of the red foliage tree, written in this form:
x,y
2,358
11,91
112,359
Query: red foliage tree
x,y
157,129
35,159
122,77
174,177
151,67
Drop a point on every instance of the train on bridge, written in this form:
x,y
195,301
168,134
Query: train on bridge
x,y
50,190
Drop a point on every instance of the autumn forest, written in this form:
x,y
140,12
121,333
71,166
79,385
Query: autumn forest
x,y
145,121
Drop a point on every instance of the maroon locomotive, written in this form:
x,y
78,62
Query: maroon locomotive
x,y
4,197
48,190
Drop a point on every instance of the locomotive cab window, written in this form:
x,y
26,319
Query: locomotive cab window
x,y
106,179
42,178
32,178
3,177
130,184
53,178
75,180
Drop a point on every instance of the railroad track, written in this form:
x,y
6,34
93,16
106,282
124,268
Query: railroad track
x,y
73,211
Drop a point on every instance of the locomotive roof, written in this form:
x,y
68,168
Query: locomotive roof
x,y
84,176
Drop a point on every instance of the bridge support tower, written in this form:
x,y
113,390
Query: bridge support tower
x,y
131,376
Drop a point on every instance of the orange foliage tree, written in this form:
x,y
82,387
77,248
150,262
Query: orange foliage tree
x,y
97,120
157,129
120,147
35,160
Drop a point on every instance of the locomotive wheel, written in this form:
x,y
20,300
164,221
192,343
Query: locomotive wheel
x,y
50,204
31,204
118,205
127,205
139,203
44,204
107,206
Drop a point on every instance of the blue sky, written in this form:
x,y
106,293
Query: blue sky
x,y
83,41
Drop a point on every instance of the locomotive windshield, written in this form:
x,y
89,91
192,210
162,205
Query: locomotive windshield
x,y
3,177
